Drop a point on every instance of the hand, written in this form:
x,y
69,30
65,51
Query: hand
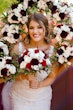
x,y
34,84
31,77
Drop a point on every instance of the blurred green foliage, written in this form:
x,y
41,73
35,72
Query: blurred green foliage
x,y
5,4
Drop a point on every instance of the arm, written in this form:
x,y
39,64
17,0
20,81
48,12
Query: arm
x,y
1,80
51,77
34,83
48,81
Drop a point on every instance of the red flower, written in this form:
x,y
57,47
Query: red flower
x,y
36,51
44,63
34,62
28,66
20,59
4,72
8,61
25,53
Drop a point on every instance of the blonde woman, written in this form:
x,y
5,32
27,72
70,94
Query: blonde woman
x,y
35,94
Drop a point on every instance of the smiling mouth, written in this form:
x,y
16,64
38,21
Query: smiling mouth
x,y
35,36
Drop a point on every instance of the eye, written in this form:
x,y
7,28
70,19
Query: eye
x,y
40,27
31,27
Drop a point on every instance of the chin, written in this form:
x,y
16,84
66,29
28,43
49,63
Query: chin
x,y
36,40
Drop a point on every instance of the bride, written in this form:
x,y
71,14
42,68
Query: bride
x,y
31,92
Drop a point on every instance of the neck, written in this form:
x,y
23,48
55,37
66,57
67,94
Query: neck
x,y
38,44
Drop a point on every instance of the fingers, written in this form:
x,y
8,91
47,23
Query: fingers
x,y
33,84
31,77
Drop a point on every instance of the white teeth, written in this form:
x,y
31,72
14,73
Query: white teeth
x,y
36,35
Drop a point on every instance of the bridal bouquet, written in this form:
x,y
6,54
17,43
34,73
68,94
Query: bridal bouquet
x,y
33,60
11,33
64,48
7,68
64,54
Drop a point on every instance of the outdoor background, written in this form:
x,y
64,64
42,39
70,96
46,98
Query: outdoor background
x,y
5,4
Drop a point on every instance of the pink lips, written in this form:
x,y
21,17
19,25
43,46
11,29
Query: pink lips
x,y
36,36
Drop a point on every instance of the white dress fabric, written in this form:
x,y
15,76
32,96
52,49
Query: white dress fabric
x,y
22,97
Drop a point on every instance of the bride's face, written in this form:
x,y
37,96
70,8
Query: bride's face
x,y
36,31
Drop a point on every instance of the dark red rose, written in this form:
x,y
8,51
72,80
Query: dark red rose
x,y
60,51
34,62
20,59
64,34
36,51
23,12
44,63
25,53
8,61
28,66
4,72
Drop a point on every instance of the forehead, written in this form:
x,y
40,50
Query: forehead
x,y
36,23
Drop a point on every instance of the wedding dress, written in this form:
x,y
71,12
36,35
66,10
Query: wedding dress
x,y
22,97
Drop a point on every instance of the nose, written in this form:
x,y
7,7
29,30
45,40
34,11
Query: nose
x,y
35,30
